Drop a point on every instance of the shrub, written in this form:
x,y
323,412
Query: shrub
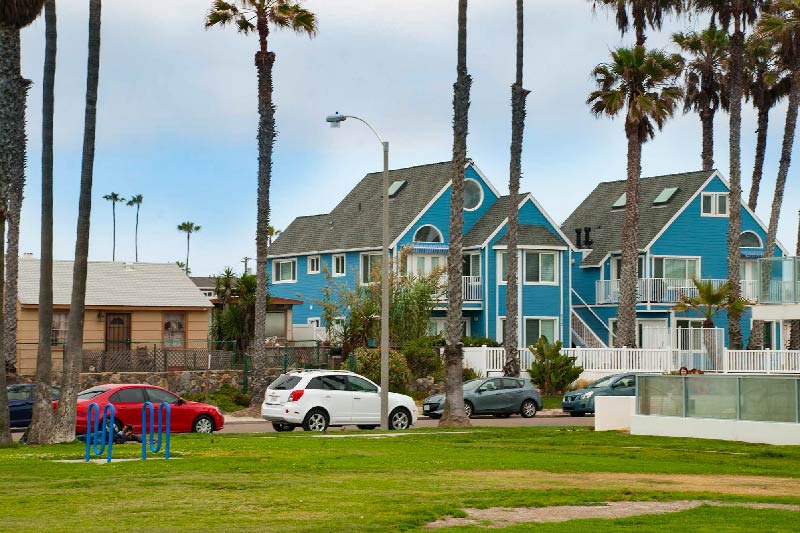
x,y
423,358
552,371
476,342
368,363
469,374
227,398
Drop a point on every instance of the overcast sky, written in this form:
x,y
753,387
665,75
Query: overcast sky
x,y
177,116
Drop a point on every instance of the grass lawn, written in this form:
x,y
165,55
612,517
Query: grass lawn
x,y
297,482
552,402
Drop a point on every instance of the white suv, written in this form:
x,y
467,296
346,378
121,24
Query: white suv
x,y
317,399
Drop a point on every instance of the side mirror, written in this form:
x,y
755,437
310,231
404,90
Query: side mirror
x,y
480,390
181,401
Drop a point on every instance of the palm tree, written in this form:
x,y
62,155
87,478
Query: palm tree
x,y
781,24
182,266
114,198
640,13
13,93
742,13
272,234
454,415
137,201
64,429
705,90
518,96
224,285
255,16
794,338
42,420
644,84
766,82
188,228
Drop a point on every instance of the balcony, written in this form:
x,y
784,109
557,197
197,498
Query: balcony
x,y
780,280
667,290
471,289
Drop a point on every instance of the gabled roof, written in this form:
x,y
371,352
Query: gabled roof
x,y
115,285
204,282
534,235
606,222
356,222
489,222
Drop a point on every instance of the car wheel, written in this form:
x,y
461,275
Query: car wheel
x,y
528,409
281,427
361,426
468,409
316,420
399,419
203,424
577,413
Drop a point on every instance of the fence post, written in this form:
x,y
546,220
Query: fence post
x,y
725,363
768,364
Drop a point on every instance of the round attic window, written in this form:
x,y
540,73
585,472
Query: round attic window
x,y
473,194
428,233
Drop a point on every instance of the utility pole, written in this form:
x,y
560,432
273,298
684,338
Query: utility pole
x,y
245,260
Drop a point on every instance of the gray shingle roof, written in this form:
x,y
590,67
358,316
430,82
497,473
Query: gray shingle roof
x,y
596,212
534,235
489,222
115,284
356,222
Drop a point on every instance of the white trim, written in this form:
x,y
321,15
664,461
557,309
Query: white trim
x,y
760,240
480,202
556,329
275,265
500,281
569,303
308,264
420,214
318,319
550,220
481,175
556,274
361,266
696,257
485,280
537,205
334,273
320,252
531,247
715,204
441,237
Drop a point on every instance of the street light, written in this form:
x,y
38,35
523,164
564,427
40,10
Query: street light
x,y
335,122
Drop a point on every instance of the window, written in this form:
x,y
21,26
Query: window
x,y
616,267
472,265
395,187
620,202
276,324
539,327
94,392
174,331
285,271
473,195
328,383
338,265
688,324
59,330
132,395
512,383
313,264
665,196
676,268
501,329
314,322
161,396
749,239
714,204
20,392
540,267
370,268
503,259
428,233
284,382
361,385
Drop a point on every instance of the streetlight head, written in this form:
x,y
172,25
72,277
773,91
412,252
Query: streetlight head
x,y
335,120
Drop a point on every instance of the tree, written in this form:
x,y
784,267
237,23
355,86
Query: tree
x,y
272,234
235,322
794,337
741,13
644,84
552,371
223,286
781,24
256,16
518,95
137,201
704,75
13,94
454,415
640,13
188,228
64,429
766,82
42,419
183,267
114,198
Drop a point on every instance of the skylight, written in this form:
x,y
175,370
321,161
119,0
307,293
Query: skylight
x,y
395,187
620,202
665,195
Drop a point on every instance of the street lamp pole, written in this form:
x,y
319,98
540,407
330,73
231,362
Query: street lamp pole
x,y
335,121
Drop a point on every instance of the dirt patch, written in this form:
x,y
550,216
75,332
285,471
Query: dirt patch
x,y
496,517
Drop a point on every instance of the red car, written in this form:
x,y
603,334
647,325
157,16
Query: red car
x,y
128,399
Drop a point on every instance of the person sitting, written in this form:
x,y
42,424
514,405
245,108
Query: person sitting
x,y
683,371
126,435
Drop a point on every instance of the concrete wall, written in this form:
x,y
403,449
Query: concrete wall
x,y
613,412
779,433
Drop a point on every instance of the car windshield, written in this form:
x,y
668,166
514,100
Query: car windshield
x,y
469,385
603,382
88,394
284,382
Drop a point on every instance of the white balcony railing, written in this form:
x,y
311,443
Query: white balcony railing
x,y
780,283
471,289
667,290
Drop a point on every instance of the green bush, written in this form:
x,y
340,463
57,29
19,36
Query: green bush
x,y
423,358
368,364
227,398
552,371
469,374
477,342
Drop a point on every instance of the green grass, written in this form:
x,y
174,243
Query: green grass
x,y
296,482
551,402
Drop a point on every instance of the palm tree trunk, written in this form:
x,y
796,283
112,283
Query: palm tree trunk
x,y
264,61
707,121
454,415
518,95
735,193
626,314
794,337
761,148
42,421
5,423
12,270
188,237
113,230
64,428
136,234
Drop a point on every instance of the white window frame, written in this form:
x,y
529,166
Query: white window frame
x,y
335,273
480,187
276,267
615,272
470,255
314,321
523,332
500,280
441,237
697,258
715,204
639,330
757,236
311,258
540,253
361,267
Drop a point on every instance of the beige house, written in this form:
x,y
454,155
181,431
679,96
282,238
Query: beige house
x,y
131,308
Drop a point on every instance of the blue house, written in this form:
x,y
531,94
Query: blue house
x,y
683,234
347,243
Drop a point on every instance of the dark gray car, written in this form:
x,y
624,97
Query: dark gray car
x,y
499,396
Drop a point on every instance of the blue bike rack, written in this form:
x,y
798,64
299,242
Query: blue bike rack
x,y
99,431
148,423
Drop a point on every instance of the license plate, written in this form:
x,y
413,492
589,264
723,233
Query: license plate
x,y
273,398
426,407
